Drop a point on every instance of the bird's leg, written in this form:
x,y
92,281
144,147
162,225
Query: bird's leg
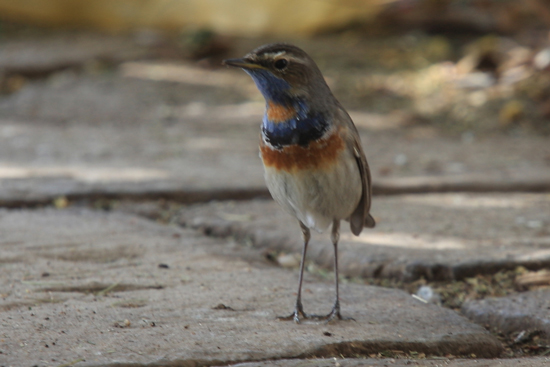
x,y
335,237
299,309
335,313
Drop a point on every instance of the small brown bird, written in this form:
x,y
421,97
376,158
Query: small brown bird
x,y
315,167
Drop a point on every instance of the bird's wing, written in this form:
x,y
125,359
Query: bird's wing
x,y
360,217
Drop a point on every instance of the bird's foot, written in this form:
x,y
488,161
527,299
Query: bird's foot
x,y
297,315
333,315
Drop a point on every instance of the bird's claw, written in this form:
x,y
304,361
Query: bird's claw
x,y
298,315
335,314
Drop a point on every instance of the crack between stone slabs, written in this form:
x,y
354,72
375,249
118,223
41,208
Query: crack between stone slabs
x,y
183,197
428,185
397,186
461,271
41,72
352,349
490,267
181,363
461,346
191,362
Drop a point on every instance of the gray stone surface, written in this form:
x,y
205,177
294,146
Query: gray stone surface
x,y
520,316
437,236
45,160
92,289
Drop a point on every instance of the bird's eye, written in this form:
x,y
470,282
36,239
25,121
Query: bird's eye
x,y
280,64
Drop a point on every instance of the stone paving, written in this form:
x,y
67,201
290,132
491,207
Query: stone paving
x,y
113,288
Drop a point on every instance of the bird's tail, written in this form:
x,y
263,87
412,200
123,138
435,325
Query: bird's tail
x,y
369,221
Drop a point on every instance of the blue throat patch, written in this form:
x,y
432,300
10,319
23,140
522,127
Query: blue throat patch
x,y
271,87
304,127
299,130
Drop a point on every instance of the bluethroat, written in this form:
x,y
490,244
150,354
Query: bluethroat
x,y
315,167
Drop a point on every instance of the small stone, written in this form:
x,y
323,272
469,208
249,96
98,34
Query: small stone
x,y
428,294
221,306
400,159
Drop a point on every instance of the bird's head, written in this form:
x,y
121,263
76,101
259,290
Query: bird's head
x,y
284,73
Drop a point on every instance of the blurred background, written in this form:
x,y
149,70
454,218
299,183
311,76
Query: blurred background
x,y
457,64
416,76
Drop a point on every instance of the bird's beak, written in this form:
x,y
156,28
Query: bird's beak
x,y
242,63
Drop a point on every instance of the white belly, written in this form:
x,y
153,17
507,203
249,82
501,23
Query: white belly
x,y
318,197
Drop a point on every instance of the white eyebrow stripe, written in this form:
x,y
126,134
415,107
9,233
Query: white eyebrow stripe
x,y
275,54
300,61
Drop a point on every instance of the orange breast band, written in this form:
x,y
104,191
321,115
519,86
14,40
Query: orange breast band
x,y
318,154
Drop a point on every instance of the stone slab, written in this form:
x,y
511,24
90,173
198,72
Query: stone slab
x,y
519,316
436,236
174,130
99,289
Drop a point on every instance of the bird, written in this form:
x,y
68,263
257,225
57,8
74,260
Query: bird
x,y
314,164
